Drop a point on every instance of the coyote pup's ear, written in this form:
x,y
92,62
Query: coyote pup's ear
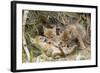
x,y
44,28
54,28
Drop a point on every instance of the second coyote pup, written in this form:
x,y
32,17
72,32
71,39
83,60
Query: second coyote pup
x,y
75,32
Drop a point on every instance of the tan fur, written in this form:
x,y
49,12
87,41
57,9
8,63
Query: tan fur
x,y
50,32
75,31
46,46
58,43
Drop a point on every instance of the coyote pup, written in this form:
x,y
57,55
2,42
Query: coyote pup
x,y
75,32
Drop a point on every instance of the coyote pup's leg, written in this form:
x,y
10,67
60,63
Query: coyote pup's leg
x,y
81,43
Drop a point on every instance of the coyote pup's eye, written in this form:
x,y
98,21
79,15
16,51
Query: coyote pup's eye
x,y
49,42
45,40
